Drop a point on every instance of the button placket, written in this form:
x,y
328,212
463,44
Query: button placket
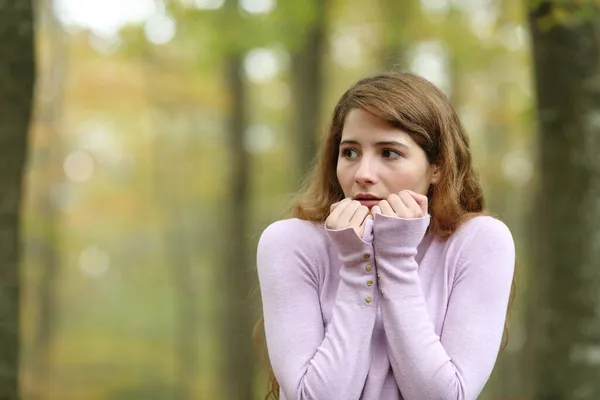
x,y
378,277
368,268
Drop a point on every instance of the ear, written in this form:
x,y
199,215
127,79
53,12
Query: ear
x,y
436,172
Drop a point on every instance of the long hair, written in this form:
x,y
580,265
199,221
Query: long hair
x,y
416,106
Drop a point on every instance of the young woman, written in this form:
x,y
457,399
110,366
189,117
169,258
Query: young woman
x,y
390,282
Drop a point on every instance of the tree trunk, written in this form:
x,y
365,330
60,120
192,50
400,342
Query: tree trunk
x,y
179,260
186,332
176,214
50,115
237,273
17,75
396,16
307,87
564,329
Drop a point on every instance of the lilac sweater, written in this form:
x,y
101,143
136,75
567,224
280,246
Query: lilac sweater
x,y
400,314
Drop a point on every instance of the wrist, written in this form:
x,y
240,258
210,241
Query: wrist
x,y
393,234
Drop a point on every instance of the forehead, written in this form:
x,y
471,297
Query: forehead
x,y
362,126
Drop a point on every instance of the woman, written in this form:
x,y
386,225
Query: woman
x,y
390,282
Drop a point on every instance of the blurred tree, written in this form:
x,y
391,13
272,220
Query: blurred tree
x,y
503,198
307,84
49,115
564,329
175,149
396,31
17,75
237,275
178,248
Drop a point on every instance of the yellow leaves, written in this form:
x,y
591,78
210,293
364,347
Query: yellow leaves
x,y
553,14
557,16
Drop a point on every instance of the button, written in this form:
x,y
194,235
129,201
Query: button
x,y
368,268
368,299
366,256
369,283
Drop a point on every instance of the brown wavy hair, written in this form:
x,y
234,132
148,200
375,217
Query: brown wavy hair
x,y
417,107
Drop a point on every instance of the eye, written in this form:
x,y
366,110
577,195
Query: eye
x,y
390,154
350,154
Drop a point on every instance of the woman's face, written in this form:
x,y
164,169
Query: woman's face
x,y
376,160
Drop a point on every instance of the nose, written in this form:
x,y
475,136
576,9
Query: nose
x,y
365,174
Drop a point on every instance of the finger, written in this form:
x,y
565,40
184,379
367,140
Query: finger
x,y
364,224
339,207
422,201
333,206
361,228
400,209
375,210
359,216
348,212
331,221
414,210
386,208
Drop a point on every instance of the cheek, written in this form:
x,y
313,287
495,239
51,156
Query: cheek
x,y
412,178
421,184
398,182
345,178
342,174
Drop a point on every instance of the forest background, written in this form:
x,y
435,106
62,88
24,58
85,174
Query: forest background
x,y
147,143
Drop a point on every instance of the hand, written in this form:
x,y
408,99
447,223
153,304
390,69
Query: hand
x,y
406,204
348,213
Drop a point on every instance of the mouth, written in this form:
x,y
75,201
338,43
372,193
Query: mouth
x,y
367,200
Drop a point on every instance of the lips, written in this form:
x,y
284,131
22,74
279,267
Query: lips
x,y
367,200
364,196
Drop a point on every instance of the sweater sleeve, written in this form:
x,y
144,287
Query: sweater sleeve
x,y
457,364
309,361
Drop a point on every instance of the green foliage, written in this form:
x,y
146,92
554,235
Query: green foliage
x,y
561,13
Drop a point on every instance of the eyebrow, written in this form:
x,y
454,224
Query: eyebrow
x,y
384,143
